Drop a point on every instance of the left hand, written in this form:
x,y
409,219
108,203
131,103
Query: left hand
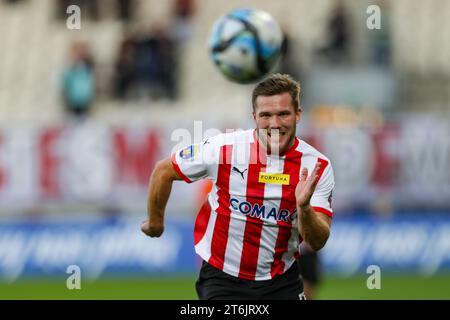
x,y
306,186
152,230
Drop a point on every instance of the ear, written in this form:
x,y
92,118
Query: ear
x,y
298,114
254,115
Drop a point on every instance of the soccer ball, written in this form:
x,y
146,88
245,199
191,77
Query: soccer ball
x,y
245,44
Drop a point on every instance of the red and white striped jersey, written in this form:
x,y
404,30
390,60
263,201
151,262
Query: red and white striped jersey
x,y
248,226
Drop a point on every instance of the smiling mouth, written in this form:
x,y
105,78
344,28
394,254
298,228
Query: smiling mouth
x,y
270,134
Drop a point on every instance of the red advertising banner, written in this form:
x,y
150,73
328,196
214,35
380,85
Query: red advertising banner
x,y
402,164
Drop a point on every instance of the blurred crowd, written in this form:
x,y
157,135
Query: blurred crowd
x,y
147,65
147,59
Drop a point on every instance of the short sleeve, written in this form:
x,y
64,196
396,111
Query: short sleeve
x,y
195,162
322,196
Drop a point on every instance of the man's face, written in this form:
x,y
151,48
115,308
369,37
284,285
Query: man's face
x,y
276,121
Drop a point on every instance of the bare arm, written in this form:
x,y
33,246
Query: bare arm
x,y
313,227
159,189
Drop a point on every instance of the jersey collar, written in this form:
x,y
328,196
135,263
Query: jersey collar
x,y
286,153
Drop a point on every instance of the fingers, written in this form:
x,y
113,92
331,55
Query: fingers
x,y
311,181
304,174
307,185
315,179
316,169
144,226
314,175
144,223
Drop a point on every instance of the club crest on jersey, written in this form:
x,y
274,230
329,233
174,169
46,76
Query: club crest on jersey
x,y
273,178
189,152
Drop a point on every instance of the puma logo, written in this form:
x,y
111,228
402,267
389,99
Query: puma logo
x,y
240,172
302,296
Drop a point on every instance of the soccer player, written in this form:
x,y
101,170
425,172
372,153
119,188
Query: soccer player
x,y
271,191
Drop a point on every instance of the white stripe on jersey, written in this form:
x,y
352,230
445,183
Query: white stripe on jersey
x,y
238,183
288,256
203,248
269,233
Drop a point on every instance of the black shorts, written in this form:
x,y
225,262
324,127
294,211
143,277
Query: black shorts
x,y
309,266
214,284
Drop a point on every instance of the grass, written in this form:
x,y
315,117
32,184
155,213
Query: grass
x,y
182,288
402,287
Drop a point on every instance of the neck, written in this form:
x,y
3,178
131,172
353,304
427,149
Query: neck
x,y
263,144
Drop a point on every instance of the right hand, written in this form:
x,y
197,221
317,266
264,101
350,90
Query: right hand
x,y
306,186
151,229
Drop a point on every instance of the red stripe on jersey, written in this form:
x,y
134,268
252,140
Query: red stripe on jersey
x,y
178,170
292,164
322,168
253,225
201,223
324,211
220,232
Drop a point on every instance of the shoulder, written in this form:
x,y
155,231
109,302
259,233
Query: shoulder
x,y
230,138
308,151
310,156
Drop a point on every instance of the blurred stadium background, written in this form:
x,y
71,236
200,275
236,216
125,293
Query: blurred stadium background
x,y
85,114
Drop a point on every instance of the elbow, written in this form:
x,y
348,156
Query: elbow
x,y
163,169
159,167
317,242
316,246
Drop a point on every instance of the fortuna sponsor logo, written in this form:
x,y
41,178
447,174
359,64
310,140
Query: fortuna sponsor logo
x,y
273,178
262,212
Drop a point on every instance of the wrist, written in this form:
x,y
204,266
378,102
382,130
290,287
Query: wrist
x,y
305,206
158,224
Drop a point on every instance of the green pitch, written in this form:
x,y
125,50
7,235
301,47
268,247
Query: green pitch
x,y
180,288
